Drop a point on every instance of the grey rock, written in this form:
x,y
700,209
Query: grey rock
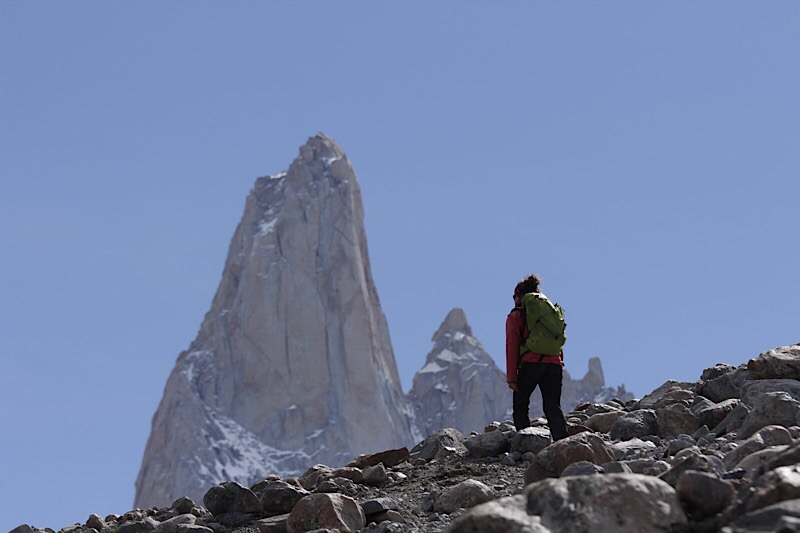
x,y
704,492
737,414
613,502
379,505
676,419
767,436
171,525
669,392
438,444
487,444
680,443
273,524
505,515
466,494
616,467
779,363
582,468
24,528
726,386
193,528
296,293
782,483
334,511
700,463
714,413
754,390
96,522
756,460
356,475
314,475
765,519
139,526
603,422
773,408
375,476
230,497
183,505
635,424
551,461
532,439
280,497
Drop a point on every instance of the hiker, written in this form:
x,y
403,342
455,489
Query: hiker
x,y
532,359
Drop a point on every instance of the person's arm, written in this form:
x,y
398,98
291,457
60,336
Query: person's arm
x,y
513,342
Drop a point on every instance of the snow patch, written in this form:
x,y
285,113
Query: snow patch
x,y
265,228
430,368
278,176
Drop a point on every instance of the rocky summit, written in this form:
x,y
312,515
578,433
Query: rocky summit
x,y
292,364
718,454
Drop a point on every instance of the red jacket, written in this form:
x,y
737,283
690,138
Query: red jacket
x,y
516,333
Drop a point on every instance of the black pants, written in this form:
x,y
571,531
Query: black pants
x,y
548,376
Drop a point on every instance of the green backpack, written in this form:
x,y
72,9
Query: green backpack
x,y
546,326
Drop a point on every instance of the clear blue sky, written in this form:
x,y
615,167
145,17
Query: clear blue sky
x,y
642,157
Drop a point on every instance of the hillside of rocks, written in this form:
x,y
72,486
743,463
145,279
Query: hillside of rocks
x,y
719,454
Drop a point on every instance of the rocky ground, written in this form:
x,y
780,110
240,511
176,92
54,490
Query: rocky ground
x,y
720,454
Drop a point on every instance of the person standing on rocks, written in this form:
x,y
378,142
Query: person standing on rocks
x,y
526,368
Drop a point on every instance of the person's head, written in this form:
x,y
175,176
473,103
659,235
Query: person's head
x,y
526,286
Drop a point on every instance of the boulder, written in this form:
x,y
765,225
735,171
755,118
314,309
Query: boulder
x,y
273,524
321,511
704,492
773,408
314,475
779,363
489,444
389,458
768,436
230,497
466,494
375,476
532,439
766,519
676,419
639,423
667,393
775,486
698,462
280,497
445,442
602,422
725,386
377,506
753,462
582,468
613,502
506,515
754,390
732,420
96,522
183,505
171,525
551,461
710,413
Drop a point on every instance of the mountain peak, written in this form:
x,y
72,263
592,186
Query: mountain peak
x,y
455,322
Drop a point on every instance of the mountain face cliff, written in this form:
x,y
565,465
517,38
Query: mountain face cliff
x,y
292,364
460,385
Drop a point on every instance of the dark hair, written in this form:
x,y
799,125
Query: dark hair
x,y
528,285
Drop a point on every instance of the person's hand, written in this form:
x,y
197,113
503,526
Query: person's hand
x,y
512,386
